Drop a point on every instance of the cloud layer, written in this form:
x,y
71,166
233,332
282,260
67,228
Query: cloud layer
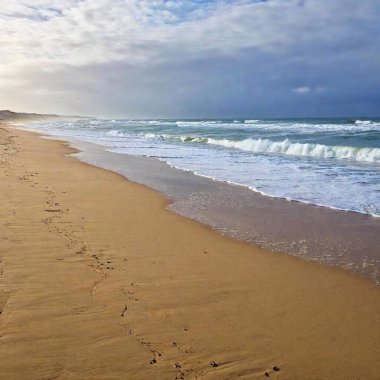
x,y
191,58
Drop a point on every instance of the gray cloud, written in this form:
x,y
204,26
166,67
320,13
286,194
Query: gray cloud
x,y
191,58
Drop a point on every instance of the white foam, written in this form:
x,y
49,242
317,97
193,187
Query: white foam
x,y
208,124
299,149
284,126
367,122
285,147
115,133
148,135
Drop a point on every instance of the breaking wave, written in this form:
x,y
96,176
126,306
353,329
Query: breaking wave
x,y
353,126
285,147
367,123
206,123
299,149
115,133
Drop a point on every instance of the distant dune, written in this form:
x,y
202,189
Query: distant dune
x,y
10,115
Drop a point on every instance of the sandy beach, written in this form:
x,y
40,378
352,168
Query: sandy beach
x,y
99,281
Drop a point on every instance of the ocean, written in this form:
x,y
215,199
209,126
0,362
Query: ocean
x,y
329,162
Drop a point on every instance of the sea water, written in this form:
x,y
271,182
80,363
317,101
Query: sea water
x,y
333,163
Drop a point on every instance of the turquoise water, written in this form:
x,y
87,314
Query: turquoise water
x,y
329,162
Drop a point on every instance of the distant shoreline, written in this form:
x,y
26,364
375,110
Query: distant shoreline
x,y
7,116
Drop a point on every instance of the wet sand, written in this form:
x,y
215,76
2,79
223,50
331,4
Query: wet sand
x,y
327,236
100,281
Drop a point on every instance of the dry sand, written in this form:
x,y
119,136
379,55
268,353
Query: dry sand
x,y
99,281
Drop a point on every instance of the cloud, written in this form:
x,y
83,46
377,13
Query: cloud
x,y
307,90
250,52
302,90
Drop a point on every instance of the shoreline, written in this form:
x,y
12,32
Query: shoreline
x,y
102,280
331,237
73,140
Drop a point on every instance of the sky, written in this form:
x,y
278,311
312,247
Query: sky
x,y
191,58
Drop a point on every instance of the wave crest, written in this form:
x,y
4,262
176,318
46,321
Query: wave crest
x,y
367,123
299,149
285,147
115,133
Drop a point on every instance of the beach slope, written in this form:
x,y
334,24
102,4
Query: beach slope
x,y
99,281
